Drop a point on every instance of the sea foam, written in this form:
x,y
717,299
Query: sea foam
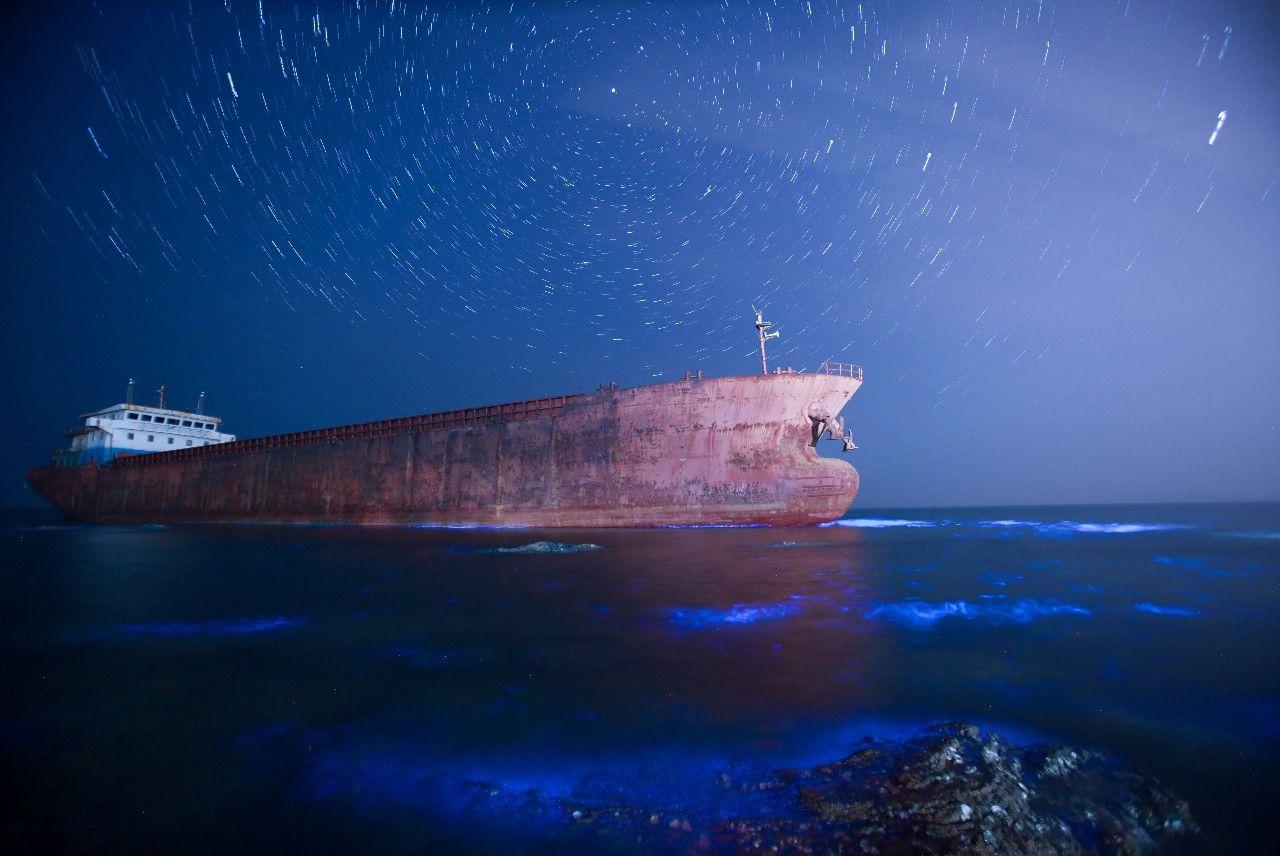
x,y
697,618
919,613
546,547
886,523
1044,527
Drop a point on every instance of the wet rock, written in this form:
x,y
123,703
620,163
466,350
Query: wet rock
x,y
1061,761
953,790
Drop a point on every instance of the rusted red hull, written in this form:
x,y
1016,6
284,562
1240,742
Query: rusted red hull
x,y
718,451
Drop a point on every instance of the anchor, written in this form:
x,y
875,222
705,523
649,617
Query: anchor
x,y
832,426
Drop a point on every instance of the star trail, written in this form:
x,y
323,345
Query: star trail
x,y
1017,216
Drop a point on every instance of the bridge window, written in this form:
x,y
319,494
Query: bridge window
x,y
133,416
173,421
146,417
186,422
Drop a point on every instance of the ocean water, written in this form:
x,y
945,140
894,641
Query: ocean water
x,y
343,689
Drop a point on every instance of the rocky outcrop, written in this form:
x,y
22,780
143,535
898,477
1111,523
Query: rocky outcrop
x,y
955,789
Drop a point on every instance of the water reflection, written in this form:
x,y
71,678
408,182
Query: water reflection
x,y
352,668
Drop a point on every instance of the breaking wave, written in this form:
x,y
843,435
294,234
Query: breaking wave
x,y
697,618
887,523
919,613
1123,528
1058,527
1156,609
1069,526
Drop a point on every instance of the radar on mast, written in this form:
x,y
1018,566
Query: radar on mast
x,y
762,327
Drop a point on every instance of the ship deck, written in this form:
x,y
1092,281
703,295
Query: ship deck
x,y
444,420
532,409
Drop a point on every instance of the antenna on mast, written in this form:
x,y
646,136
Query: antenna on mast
x,y
761,326
128,392
160,397
200,404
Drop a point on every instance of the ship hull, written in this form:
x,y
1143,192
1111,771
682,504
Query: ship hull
x,y
719,451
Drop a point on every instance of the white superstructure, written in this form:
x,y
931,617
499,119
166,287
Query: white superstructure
x,y
134,429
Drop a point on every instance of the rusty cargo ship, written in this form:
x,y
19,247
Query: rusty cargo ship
x,y
697,451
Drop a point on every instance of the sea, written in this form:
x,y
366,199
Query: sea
x,y
343,689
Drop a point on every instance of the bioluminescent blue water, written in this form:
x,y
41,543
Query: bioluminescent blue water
x,y
419,690
1002,579
739,613
227,627
914,613
884,523
1043,527
1156,609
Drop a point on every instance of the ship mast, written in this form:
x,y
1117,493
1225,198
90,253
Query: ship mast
x,y
160,397
761,326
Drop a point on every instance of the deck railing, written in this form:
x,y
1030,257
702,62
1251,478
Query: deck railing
x,y
361,431
389,427
842,369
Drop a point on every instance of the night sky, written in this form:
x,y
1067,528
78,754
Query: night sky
x,y
1047,231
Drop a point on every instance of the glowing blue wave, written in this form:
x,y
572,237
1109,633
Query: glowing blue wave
x,y
1069,526
887,523
1264,535
996,578
919,613
1059,527
697,618
1156,609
